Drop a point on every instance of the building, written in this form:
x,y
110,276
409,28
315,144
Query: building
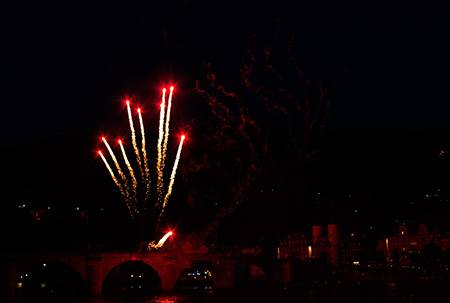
x,y
399,245
296,245
351,253
195,248
322,244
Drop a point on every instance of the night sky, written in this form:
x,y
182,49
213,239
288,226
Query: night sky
x,y
67,68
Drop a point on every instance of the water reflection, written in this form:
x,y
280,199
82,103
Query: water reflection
x,y
301,293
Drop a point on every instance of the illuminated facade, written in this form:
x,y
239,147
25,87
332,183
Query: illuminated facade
x,y
296,245
323,243
351,253
404,242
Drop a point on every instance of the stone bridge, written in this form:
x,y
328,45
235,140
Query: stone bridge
x,y
94,267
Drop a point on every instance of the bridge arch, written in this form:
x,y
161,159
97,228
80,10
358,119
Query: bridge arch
x,y
94,267
25,265
49,278
131,276
198,274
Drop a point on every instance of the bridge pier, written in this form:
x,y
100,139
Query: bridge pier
x,y
169,278
7,281
94,277
225,274
287,270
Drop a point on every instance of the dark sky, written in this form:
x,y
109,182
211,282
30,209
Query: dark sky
x,y
66,66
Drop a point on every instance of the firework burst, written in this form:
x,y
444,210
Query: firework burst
x,y
131,195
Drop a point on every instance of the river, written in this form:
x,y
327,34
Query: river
x,y
430,292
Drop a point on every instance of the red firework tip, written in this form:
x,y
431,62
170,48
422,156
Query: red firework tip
x,y
183,137
170,233
128,102
164,90
139,110
171,88
100,152
103,139
120,141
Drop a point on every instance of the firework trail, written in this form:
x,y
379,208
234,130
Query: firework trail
x,y
160,243
172,179
133,140
144,156
133,177
121,174
166,133
115,180
159,169
126,191
110,171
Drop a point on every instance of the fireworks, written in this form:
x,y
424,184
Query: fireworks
x,y
133,139
160,243
131,195
172,178
159,147
111,171
130,169
144,154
